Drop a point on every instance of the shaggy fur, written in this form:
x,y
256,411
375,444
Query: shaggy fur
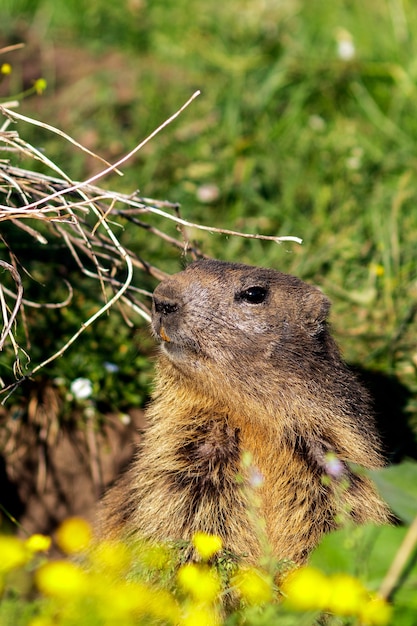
x,y
247,364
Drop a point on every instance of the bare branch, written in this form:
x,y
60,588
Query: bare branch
x,y
19,296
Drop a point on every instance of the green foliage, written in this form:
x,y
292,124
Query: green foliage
x,y
399,485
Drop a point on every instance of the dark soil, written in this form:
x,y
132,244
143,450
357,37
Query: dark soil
x,y
50,471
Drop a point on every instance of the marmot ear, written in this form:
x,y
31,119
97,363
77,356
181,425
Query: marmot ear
x,y
316,309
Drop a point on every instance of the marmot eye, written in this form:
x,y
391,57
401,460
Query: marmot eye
x,y
253,295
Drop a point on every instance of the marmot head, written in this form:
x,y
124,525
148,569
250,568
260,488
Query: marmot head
x,y
217,317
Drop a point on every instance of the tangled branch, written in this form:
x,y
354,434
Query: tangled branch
x,y
80,215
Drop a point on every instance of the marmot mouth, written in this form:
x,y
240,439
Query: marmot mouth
x,y
174,351
173,344
178,349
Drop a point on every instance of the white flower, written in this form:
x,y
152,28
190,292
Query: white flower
x,y
316,123
335,468
81,388
256,479
208,193
354,162
112,368
345,46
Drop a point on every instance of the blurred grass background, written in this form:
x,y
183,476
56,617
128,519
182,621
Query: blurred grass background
x,y
306,126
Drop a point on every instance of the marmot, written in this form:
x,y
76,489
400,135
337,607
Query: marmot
x,y
247,364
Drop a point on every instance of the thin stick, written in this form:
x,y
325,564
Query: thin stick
x,y
223,231
15,46
111,168
130,201
44,305
19,296
400,560
23,118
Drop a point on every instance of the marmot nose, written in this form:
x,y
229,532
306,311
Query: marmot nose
x,y
164,306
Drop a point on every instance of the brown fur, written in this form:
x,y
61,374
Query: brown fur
x,y
244,369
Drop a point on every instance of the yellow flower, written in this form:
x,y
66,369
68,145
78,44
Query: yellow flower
x,y
255,586
307,589
12,553
347,595
61,579
199,581
127,599
42,621
111,556
38,543
207,545
377,269
74,535
40,86
375,612
123,600
154,556
200,616
165,607
6,69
